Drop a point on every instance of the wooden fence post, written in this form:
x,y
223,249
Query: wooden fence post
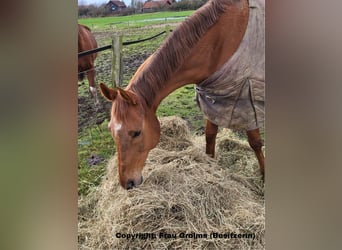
x,y
117,61
167,30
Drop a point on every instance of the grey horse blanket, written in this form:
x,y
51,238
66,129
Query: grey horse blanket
x,y
233,97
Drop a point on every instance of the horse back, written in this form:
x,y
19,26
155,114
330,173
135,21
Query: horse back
x,y
86,41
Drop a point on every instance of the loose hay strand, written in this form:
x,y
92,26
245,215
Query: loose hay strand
x,y
184,191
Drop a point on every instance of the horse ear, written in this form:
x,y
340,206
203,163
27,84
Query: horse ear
x,y
108,93
126,96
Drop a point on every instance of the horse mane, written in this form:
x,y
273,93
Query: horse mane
x,y
176,48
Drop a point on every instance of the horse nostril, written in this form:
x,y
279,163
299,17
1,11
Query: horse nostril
x,y
130,184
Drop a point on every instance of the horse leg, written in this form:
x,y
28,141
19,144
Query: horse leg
x,y
255,143
210,137
92,85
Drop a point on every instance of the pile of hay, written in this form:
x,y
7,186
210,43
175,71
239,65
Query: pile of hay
x,y
185,196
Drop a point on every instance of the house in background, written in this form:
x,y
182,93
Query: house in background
x,y
150,6
116,6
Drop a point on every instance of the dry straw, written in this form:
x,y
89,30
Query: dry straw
x,y
184,191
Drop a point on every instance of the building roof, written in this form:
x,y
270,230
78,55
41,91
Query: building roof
x,y
118,3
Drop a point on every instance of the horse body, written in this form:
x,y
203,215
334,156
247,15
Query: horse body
x,y
237,88
86,41
194,51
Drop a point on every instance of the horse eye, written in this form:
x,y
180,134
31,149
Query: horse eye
x,y
136,133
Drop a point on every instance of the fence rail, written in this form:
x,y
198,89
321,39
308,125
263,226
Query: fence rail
x,y
88,52
116,48
151,20
145,39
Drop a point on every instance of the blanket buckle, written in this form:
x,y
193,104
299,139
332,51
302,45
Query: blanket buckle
x,y
210,99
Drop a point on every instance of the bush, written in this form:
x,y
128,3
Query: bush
x,y
101,11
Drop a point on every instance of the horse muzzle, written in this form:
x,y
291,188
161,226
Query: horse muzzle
x,y
133,183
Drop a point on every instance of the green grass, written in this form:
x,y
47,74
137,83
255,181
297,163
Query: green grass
x,y
93,142
182,103
99,23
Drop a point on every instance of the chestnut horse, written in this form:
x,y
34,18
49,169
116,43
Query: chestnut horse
x,y
195,51
86,41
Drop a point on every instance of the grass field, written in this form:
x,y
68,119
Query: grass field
x,y
137,20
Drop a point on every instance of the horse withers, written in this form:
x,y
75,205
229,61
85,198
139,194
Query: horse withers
x,y
86,41
218,42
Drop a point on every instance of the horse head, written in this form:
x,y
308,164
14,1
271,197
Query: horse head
x,y
135,130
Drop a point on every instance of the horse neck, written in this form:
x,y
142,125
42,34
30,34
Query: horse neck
x,y
212,50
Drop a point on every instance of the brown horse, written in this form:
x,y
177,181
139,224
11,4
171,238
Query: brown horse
x,y
203,49
86,41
